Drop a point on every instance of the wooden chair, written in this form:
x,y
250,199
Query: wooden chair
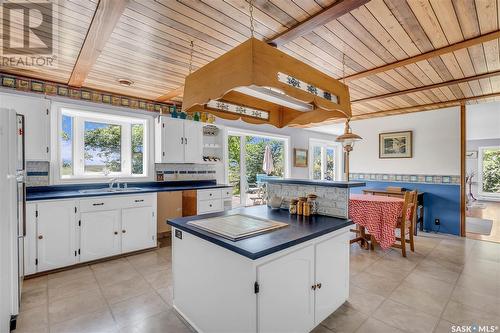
x,y
406,222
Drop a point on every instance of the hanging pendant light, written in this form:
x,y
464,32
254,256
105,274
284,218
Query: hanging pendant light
x,y
261,84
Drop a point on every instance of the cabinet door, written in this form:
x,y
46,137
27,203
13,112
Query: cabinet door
x,y
193,139
56,229
169,206
173,141
36,123
30,242
100,234
138,229
332,271
287,304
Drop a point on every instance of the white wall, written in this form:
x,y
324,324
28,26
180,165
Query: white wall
x,y
436,143
299,138
483,121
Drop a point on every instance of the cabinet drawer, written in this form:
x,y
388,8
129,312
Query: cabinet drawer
x,y
209,194
227,192
116,202
209,206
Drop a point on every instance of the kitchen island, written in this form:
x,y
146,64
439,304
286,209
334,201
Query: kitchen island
x,y
286,280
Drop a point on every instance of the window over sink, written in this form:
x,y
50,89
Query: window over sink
x,y
101,145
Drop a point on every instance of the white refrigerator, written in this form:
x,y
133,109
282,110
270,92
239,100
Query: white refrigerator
x,y
12,216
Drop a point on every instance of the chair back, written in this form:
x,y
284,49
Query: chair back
x,y
409,206
394,189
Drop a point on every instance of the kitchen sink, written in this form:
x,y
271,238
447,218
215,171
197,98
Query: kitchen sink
x,y
111,190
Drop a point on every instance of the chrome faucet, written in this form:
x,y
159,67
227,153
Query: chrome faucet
x,y
112,182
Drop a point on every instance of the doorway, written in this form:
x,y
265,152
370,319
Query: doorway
x,y
246,174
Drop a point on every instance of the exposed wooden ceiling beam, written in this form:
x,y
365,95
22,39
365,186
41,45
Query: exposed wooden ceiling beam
x,y
107,14
423,107
427,55
171,94
431,86
322,17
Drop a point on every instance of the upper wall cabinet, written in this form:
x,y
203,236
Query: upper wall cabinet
x,y
36,123
178,141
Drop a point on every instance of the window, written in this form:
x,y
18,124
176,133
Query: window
x,y
96,145
324,160
489,171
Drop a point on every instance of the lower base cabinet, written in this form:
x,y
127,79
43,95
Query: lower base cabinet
x,y
65,232
99,235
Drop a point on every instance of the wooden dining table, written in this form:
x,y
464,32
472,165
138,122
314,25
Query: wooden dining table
x,y
375,216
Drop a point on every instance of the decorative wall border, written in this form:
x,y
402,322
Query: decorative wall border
x,y
25,84
407,178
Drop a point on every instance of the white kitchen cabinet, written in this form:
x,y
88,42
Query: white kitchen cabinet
x,y
178,141
287,306
138,228
100,234
56,234
36,123
213,200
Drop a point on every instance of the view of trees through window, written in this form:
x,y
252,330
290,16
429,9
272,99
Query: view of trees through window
x,y
323,162
491,170
104,147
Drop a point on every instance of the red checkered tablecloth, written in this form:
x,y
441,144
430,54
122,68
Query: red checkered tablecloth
x,y
378,214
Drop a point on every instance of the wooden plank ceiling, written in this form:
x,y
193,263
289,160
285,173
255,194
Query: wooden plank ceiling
x,y
401,56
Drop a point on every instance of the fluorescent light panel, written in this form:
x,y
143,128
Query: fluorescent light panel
x,y
273,96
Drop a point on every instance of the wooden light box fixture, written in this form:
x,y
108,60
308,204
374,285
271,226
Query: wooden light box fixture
x,y
262,85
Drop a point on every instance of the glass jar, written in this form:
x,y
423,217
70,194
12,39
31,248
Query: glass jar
x,y
292,208
300,205
306,210
311,199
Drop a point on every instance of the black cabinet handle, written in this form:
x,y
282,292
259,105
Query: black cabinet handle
x,y
210,205
116,232
319,285
139,200
124,231
313,287
98,204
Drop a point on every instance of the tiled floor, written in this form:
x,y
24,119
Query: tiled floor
x,y
491,212
448,280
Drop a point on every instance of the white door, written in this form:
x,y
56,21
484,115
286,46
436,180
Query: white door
x,y
56,233
100,234
36,123
332,275
138,229
286,305
30,243
173,141
193,141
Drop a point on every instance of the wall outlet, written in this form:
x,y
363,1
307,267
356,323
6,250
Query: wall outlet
x,y
437,222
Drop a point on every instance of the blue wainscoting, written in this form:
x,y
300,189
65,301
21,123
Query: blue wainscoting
x,y
441,201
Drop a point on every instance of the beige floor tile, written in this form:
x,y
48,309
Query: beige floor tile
x,y
372,325
364,300
429,284
69,307
359,263
166,294
462,314
110,264
166,321
382,286
387,269
74,273
405,317
485,285
420,298
345,320
34,297
126,289
35,283
431,269
113,274
160,279
100,321
72,286
38,329
443,326
33,319
487,303
321,329
148,259
138,308
481,268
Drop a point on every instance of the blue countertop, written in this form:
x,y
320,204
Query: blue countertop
x,y
73,190
327,183
300,229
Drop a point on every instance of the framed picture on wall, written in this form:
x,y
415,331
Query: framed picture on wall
x,y
300,158
395,145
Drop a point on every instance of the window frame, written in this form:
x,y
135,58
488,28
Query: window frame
x,y
82,114
338,159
